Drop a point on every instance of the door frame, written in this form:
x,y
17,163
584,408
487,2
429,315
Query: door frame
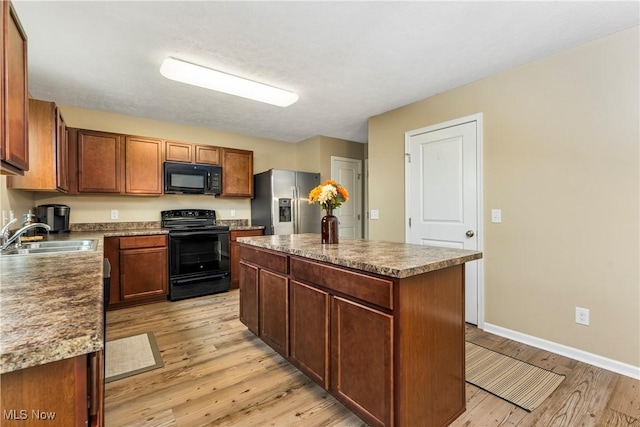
x,y
478,118
355,195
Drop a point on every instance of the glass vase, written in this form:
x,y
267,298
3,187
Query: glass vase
x,y
329,228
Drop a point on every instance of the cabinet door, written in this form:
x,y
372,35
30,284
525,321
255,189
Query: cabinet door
x,y
48,148
249,296
234,254
55,392
96,389
14,148
143,170
143,273
237,173
178,151
62,153
362,360
309,331
208,155
274,310
99,162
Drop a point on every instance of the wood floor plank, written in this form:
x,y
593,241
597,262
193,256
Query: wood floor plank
x,y
216,373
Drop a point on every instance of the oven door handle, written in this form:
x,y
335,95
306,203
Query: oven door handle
x,y
197,233
179,282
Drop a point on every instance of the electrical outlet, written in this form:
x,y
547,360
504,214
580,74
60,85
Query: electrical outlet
x,y
582,316
233,213
114,213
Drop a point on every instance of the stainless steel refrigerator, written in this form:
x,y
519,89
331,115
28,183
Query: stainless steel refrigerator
x,y
281,202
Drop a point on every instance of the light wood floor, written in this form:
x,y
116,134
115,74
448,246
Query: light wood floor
x,y
216,373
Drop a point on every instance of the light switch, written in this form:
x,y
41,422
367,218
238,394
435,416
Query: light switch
x,y
375,214
496,216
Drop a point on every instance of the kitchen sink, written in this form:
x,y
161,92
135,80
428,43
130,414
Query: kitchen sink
x,y
52,247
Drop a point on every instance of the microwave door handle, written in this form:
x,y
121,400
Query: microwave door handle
x,y
209,183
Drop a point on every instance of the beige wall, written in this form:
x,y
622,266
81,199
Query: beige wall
x,y
314,154
561,160
268,153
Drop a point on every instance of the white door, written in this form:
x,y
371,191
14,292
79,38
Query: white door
x,y
348,173
443,194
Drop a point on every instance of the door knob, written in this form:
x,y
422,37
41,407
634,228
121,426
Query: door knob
x,y
470,233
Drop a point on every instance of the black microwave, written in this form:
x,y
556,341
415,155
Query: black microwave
x,y
188,178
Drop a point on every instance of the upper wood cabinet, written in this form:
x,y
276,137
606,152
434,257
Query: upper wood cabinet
x,y
143,165
207,154
113,163
237,173
48,147
178,152
14,147
192,153
99,162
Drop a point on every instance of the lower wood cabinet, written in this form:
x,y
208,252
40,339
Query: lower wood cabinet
x,y
139,269
66,393
274,310
392,350
309,331
234,253
249,302
362,359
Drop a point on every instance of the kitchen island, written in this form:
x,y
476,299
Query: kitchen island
x,y
380,325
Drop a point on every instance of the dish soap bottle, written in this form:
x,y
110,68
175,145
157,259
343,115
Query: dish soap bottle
x,y
27,219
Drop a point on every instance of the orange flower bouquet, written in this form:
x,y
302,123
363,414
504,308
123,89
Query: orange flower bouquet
x,y
329,195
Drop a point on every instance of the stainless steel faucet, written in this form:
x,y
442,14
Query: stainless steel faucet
x,y
17,235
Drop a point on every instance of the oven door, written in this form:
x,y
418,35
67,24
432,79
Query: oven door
x,y
198,252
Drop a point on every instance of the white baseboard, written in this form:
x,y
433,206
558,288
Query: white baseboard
x,y
563,350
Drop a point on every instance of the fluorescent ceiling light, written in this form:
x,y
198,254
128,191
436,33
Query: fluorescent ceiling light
x,y
197,75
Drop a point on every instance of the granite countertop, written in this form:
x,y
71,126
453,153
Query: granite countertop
x,y
51,306
391,259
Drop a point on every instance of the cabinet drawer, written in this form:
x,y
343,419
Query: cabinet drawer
x,y
366,288
143,241
270,260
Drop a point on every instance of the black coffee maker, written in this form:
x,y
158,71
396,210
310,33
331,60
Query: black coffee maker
x,y
55,216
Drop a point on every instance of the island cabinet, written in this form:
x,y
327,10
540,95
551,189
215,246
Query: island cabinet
x,y
139,270
14,144
66,393
390,348
264,281
48,148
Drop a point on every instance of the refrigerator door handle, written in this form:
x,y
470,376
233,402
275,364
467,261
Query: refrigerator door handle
x,y
294,209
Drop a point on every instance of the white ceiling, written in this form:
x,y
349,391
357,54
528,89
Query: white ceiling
x,y
348,61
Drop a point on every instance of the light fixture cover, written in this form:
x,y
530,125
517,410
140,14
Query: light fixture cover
x,y
197,75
